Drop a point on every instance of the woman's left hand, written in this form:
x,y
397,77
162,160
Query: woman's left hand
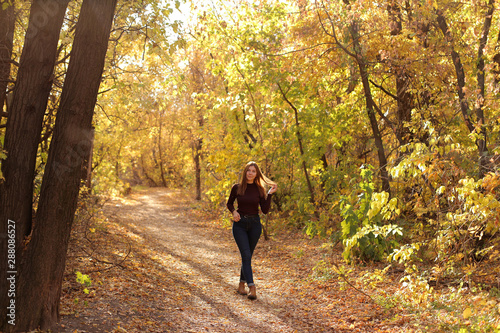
x,y
273,189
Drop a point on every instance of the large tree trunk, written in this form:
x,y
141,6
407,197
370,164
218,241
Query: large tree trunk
x,y
41,275
87,165
24,125
7,17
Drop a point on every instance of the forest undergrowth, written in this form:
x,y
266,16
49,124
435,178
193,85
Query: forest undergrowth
x,y
157,261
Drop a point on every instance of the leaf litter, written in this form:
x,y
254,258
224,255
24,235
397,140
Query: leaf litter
x,y
160,265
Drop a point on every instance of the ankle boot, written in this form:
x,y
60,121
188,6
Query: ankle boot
x,y
253,293
241,289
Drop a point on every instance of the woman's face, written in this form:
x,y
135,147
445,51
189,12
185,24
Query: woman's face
x,y
251,174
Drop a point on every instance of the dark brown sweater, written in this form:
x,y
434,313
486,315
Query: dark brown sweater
x,y
248,204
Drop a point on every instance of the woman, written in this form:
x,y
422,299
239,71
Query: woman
x,y
249,193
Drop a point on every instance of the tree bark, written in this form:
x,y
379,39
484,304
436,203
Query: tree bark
x,y
404,98
7,17
356,54
496,63
199,85
197,166
160,150
405,104
370,105
247,135
459,71
460,74
87,164
301,149
41,277
24,126
253,105
198,145
481,141
496,74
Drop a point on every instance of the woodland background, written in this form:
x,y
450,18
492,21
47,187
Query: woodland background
x,y
379,120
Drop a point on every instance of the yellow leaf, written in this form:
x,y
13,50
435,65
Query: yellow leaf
x,y
467,313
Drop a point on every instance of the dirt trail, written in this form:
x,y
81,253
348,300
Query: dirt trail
x,y
181,274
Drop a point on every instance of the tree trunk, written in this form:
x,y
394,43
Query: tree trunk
x,y
41,276
152,182
496,75
253,105
160,150
404,98
481,141
199,87
198,145
363,71
87,164
24,126
460,74
301,149
7,17
197,164
496,64
405,105
357,55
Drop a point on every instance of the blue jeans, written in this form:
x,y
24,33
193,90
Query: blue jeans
x,y
246,233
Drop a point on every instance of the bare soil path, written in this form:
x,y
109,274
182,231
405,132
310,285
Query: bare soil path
x,y
175,271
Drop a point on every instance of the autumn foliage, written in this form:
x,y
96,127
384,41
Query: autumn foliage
x,y
379,120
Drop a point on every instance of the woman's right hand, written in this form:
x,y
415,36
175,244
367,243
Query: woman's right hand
x,y
273,189
236,216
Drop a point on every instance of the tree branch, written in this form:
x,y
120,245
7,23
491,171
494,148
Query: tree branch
x,y
301,149
333,33
384,90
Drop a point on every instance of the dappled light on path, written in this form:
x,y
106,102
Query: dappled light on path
x,y
205,267
180,274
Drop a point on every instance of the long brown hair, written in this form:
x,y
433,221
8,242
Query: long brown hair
x,y
260,180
